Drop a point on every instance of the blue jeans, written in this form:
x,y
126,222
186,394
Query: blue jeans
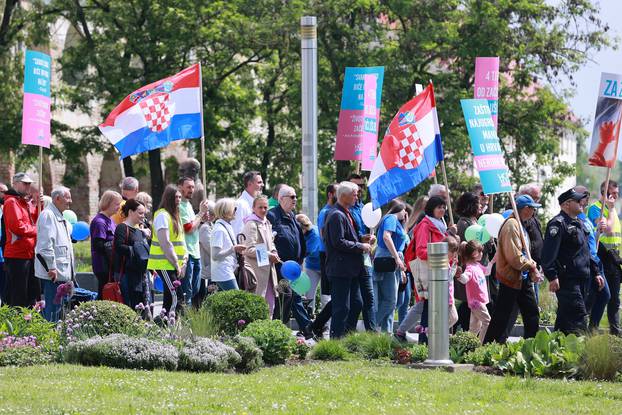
x,y
190,283
51,312
345,300
227,285
369,304
403,301
385,291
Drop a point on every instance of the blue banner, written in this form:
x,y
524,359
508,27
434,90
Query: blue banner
x,y
37,73
487,152
353,83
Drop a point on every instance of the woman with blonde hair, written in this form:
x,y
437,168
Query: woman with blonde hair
x,y
260,251
102,230
224,247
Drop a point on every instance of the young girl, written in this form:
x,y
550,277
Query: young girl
x,y
477,291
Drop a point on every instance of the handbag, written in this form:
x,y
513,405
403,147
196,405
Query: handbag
x,y
385,264
244,277
112,289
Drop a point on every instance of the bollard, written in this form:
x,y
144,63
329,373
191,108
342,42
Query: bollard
x,y
438,308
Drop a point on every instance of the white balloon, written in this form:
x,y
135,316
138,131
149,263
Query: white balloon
x,y
371,217
493,224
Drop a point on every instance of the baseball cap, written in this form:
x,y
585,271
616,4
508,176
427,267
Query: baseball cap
x,y
22,177
526,200
571,194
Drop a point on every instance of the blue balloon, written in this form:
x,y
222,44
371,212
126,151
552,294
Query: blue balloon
x,y
291,270
506,214
80,231
158,286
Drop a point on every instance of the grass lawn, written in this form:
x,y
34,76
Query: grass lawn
x,y
353,388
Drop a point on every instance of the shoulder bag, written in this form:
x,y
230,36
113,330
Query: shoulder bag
x,y
112,289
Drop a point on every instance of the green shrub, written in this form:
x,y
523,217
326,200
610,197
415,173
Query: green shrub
x,y
301,349
232,310
370,345
251,355
329,350
24,356
101,318
547,355
273,338
483,355
207,355
462,343
24,322
419,352
602,357
122,351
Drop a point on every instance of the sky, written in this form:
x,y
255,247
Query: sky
x,y
583,104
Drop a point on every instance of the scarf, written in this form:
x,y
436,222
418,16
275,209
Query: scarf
x,y
440,225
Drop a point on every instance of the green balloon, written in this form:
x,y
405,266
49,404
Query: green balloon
x,y
482,220
70,216
301,284
477,233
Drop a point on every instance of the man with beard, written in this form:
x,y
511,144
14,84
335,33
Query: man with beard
x,y
20,218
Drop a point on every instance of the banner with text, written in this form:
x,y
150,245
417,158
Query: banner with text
x,y
36,115
487,83
488,156
606,130
359,117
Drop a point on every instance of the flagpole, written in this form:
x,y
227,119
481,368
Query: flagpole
x,y
203,176
491,208
451,214
40,180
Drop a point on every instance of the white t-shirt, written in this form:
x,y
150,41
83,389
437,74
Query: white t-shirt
x,y
244,208
161,221
222,239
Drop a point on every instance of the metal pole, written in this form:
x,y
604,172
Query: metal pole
x,y
438,310
308,43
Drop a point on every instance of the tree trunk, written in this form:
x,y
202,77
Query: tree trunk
x,y
128,167
157,179
343,170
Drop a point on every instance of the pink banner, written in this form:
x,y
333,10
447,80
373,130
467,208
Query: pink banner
x,y
487,83
36,120
371,115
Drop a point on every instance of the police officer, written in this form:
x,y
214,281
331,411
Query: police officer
x,y
567,263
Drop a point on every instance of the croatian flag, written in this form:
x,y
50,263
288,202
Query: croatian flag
x,y
410,150
154,115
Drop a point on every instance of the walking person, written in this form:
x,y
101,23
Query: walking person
x,y
312,260
223,246
167,254
260,253
54,250
102,235
474,279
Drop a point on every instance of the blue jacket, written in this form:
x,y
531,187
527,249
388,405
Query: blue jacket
x,y
344,251
289,239
312,239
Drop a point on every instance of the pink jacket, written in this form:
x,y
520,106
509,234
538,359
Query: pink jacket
x,y
476,288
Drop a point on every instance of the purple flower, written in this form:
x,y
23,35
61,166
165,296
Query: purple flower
x,y
176,283
28,317
241,322
140,306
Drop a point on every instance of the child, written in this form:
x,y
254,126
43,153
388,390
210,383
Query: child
x,y
476,289
418,312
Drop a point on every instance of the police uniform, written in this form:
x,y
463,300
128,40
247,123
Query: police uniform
x,y
566,257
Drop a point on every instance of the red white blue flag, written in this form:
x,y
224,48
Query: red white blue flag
x,y
410,150
154,115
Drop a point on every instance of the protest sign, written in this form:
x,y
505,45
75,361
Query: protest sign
x,y
487,83
488,155
36,115
606,130
359,117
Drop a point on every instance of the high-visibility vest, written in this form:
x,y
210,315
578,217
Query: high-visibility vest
x,y
157,259
613,241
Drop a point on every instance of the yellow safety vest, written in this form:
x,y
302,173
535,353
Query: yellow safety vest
x,y
613,241
157,259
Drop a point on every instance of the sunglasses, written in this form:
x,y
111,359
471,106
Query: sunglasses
x,y
293,197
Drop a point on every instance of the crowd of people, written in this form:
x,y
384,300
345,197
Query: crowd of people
x,y
242,244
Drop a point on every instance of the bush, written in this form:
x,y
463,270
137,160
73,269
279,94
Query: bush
x,y
419,353
301,349
101,318
25,322
329,350
24,356
122,351
251,355
483,355
206,355
462,343
371,345
602,357
273,338
232,310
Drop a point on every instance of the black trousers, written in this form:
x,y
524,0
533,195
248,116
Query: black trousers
x,y
525,297
168,277
571,312
324,282
613,275
23,289
346,304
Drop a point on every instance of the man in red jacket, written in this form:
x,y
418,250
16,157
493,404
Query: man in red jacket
x,y
20,219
